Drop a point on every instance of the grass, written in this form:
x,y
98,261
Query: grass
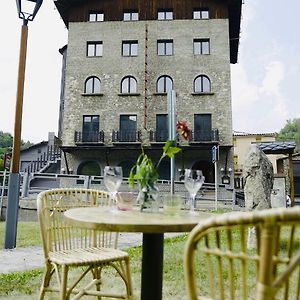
x,y
28,234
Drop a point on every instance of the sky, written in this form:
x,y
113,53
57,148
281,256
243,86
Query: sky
x,y
265,80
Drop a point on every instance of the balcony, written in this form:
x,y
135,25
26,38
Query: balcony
x,y
200,136
159,136
126,136
89,137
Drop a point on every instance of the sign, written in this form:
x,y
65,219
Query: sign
x,y
6,161
214,154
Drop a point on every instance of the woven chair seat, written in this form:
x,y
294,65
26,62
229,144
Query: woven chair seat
x,y
85,256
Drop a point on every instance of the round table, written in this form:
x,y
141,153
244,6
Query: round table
x,y
152,225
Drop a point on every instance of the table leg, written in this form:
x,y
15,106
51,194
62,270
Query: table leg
x,y
152,266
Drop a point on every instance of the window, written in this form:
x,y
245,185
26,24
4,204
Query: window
x,y
202,84
90,128
94,49
162,125
130,48
165,15
164,84
95,16
202,127
202,13
201,46
130,16
92,85
128,85
128,128
165,47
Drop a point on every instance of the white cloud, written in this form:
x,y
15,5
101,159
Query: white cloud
x,y
274,75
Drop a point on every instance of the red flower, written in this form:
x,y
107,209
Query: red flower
x,y
183,130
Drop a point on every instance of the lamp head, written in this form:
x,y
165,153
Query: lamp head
x,y
27,9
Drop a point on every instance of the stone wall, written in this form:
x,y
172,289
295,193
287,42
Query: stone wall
x,y
183,67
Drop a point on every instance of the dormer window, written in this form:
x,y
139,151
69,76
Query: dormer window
x,y
96,16
131,15
165,15
202,13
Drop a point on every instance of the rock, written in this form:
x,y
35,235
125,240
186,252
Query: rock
x,y
258,178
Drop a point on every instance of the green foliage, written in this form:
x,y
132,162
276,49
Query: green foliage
x,y
290,132
6,143
144,171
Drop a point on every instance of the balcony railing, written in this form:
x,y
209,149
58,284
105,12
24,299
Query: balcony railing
x,y
159,136
130,136
205,136
88,137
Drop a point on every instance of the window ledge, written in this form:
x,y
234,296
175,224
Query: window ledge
x,y
160,94
129,94
203,94
92,94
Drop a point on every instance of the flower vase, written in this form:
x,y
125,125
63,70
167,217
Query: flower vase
x,y
148,199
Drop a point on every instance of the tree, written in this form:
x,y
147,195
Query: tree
x,y
290,132
6,142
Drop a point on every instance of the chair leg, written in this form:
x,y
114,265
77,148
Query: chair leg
x,y
128,279
97,276
45,281
63,283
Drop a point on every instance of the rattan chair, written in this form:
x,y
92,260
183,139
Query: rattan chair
x,y
66,247
245,255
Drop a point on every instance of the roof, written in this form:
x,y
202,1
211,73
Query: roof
x,y
35,146
241,133
234,16
277,147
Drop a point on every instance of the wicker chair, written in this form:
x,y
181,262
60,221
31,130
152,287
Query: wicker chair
x,y
88,250
245,255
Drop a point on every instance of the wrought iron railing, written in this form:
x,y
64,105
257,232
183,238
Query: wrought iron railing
x,y
89,137
205,135
159,136
126,136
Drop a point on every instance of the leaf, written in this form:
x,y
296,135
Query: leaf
x,y
170,150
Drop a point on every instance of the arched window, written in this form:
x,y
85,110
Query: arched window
x,y
202,84
164,84
92,85
128,85
90,168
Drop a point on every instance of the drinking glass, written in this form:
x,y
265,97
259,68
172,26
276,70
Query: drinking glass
x,y
112,180
193,180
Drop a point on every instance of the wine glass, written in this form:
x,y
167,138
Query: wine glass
x,y
112,180
193,180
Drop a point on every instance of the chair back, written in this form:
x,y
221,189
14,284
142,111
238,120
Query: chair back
x,y
57,234
245,255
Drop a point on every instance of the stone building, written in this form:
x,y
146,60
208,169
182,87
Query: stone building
x,y
121,60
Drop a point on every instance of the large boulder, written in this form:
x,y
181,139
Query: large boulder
x,y
258,179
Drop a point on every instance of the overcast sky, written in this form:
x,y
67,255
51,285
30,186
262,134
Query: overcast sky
x,y
265,80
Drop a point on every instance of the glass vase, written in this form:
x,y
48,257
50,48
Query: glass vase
x,y
148,198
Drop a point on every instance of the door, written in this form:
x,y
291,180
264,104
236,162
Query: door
x,y
90,128
127,128
161,128
202,127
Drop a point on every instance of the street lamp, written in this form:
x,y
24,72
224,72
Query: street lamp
x,y
27,9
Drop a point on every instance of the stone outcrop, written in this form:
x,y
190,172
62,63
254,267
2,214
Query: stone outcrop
x,y
258,176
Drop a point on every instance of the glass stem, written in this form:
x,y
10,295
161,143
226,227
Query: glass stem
x,y
192,202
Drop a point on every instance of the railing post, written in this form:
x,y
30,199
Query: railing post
x,y
86,182
25,185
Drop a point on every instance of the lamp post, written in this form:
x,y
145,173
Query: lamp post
x,y
27,9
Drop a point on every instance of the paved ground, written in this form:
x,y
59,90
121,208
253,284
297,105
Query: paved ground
x,y
22,259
